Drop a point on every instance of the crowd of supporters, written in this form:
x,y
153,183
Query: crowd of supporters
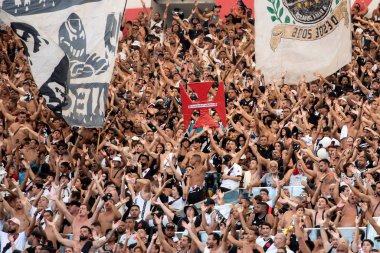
x,y
294,157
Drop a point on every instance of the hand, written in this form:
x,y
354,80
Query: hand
x,y
157,219
115,225
203,208
186,225
363,207
239,208
357,220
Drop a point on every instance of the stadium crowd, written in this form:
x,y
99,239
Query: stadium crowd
x,y
144,183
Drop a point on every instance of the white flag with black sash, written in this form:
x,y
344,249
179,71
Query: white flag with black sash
x,y
71,45
302,37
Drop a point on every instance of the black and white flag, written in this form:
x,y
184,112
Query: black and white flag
x,y
71,45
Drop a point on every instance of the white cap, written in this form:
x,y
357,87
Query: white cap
x,y
116,159
136,43
15,220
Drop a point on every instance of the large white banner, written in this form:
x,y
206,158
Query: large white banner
x,y
302,37
71,45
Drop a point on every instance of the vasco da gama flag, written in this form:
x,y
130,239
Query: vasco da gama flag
x,y
302,37
71,46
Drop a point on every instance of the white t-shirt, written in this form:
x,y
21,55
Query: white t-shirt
x,y
143,204
234,171
261,242
20,242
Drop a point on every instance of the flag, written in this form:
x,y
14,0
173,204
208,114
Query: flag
x,y
71,46
199,100
302,37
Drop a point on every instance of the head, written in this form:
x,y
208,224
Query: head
x,y
280,240
213,240
85,233
135,212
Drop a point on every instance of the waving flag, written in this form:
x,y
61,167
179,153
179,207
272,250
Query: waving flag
x,y
71,46
302,37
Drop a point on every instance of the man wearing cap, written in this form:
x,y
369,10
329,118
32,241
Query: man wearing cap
x,y
110,213
13,239
210,215
19,211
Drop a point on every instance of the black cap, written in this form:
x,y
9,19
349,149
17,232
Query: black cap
x,y
192,206
209,201
107,197
65,175
170,225
36,234
197,140
207,39
74,203
226,159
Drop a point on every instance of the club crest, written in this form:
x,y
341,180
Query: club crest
x,y
308,11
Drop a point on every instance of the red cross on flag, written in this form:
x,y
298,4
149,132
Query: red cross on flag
x,y
203,105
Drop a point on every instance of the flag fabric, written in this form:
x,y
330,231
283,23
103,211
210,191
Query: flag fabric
x,y
302,37
71,46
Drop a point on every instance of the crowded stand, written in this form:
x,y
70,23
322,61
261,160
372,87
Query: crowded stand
x,y
296,169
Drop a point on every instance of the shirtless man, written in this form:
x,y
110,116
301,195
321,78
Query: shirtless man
x,y
17,134
324,175
196,146
196,179
20,210
349,211
110,214
30,150
78,221
84,243
49,217
369,198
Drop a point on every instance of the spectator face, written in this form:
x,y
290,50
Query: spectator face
x,y
367,247
190,212
210,243
48,216
19,205
265,230
43,203
83,211
263,141
12,227
184,242
84,234
135,212
321,203
273,167
280,240
21,118
323,167
69,250
264,195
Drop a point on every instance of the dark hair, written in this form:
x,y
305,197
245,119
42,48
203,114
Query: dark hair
x,y
266,224
179,189
88,228
368,240
288,133
264,190
325,161
215,236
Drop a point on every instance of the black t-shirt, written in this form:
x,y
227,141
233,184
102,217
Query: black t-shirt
x,y
265,152
142,224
